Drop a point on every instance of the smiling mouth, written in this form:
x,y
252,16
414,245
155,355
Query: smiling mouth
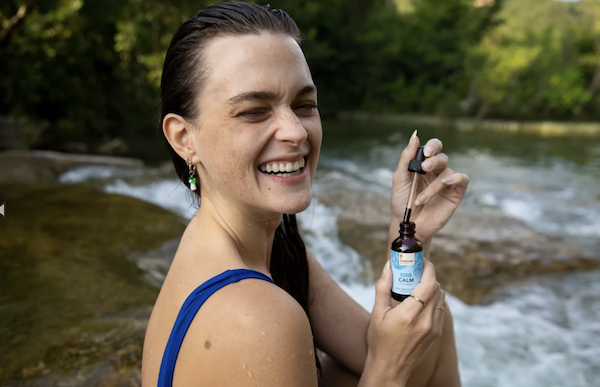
x,y
282,168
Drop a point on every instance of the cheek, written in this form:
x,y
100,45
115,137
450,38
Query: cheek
x,y
226,158
316,138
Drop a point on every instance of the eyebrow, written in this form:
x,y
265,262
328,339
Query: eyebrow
x,y
267,95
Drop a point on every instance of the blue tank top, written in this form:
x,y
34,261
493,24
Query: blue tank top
x,y
187,313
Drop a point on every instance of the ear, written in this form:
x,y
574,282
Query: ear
x,y
177,131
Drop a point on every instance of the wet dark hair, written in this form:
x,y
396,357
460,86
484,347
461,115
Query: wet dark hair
x,y
183,74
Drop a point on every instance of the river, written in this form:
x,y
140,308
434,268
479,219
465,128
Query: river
x,y
541,332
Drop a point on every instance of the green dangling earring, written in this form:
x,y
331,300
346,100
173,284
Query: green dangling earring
x,y
192,179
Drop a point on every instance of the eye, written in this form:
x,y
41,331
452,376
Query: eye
x,y
254,115
306,108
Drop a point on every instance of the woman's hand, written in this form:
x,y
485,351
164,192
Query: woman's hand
x,y
438,194
399,337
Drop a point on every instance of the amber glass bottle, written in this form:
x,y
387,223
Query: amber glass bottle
x,y
406,261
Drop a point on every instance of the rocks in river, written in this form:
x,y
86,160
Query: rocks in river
x,y
74,304
45,166
478,250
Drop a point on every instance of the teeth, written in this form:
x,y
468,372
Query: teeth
x,y
283,169
287,174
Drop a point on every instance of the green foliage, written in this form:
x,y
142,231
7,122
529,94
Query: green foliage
x,y
90,70
541,62
402,55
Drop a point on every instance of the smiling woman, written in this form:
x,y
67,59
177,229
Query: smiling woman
x,y
244,303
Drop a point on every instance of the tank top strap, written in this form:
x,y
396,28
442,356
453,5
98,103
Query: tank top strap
x,y
189,310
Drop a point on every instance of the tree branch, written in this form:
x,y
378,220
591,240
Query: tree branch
x,y
13,21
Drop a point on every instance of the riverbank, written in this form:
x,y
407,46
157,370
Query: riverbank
x,y
543,128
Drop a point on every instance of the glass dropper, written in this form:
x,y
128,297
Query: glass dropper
x,y
415,167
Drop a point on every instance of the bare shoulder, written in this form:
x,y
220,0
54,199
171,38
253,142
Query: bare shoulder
x,y
250,333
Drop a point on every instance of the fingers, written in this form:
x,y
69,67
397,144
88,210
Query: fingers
x,y
439,313
432,313
457,181
433,147
428,287
383,291
408,154
441,304
448,179
439,162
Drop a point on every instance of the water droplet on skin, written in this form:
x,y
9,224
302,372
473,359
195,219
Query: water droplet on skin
x,y
263,333
244,366
257,339
250,374
269,359
310,352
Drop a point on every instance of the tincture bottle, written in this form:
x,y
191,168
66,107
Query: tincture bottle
x,y
406,261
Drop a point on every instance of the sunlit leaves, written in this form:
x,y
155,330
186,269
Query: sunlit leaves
x,y
541,61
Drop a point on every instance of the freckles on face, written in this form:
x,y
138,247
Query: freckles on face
x,y
257,105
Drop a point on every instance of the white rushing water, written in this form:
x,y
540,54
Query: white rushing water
x,y
533,335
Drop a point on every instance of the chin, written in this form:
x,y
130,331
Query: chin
x,y
294,206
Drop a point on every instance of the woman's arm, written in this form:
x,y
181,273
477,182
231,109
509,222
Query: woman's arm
x,y
339,323
446,373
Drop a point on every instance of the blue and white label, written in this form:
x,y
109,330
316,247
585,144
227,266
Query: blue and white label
x,y
407,270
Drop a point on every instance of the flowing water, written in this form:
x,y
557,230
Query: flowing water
x,y
538,333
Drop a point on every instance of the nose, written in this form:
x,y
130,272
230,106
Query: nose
x,y
290,128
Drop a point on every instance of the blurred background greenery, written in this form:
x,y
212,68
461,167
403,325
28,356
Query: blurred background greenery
x,y
89,71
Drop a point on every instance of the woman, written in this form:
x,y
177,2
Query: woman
x,y
240,116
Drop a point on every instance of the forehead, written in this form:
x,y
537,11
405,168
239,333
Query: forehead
x,y
269,62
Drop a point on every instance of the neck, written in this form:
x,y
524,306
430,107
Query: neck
x,y
250,235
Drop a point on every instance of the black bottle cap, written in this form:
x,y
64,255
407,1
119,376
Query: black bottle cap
x,y
415,164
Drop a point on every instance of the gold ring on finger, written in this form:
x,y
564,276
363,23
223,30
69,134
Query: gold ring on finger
x,y
440,307
418,299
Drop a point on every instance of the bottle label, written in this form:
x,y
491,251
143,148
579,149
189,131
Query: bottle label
x,y
407,270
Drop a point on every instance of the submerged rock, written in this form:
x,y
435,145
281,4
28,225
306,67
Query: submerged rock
x,y
40,166
74,304
480,249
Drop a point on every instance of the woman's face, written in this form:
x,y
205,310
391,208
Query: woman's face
x,y
259,130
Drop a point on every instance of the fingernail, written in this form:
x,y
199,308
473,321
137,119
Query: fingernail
x,y
412,137
426,165
385,267
428,151
420,200
447,180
